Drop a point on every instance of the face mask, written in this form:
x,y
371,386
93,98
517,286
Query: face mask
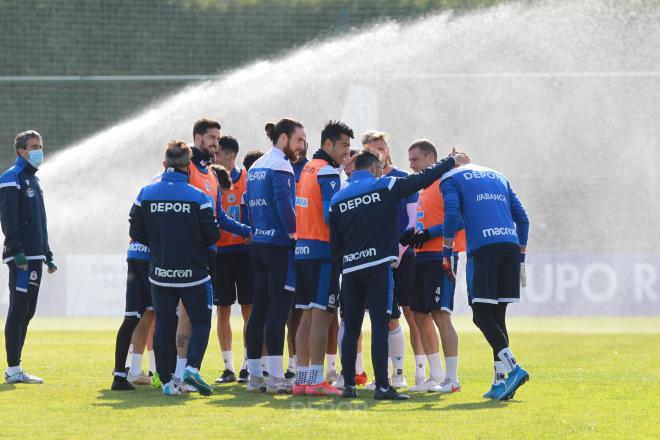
x,y
36,157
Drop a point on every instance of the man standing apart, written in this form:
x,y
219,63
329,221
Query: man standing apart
x,y
176,221
23,218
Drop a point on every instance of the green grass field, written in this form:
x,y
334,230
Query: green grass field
x,y
597,378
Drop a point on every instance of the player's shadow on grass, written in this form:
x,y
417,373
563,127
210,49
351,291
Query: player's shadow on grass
x,y
471,406
7,387
137,399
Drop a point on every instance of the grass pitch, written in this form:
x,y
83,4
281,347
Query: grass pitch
x,y
596,378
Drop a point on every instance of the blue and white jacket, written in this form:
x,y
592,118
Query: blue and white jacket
x,y
270,199
176,221
23,214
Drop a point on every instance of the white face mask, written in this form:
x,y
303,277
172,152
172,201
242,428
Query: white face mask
x,y
36,158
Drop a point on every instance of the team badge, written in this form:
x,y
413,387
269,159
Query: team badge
x,y
29,192
231,198
208,187
33,275
331,299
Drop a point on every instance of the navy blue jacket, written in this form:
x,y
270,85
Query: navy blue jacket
x,y
176,221
363,216
22,213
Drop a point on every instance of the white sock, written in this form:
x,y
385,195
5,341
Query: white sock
x,y
152,361
435,364
359,364
136,364
245,361
192,369
500,373
508,359
129,356
420,365
292,364
264,363
331,361
275,366
451,366
301,375
254,368
229,361
181,364
315,374
17,369
396,349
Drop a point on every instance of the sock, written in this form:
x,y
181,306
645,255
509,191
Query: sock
x,y
275,366
315,374
245,361
180,366
435,364
507,359
292,364
192,369
136,365
396,348
264,363
301,375
420,365
451,366
254,368
359,364
332,362
500,373
152,361
229,361
129,356
17,369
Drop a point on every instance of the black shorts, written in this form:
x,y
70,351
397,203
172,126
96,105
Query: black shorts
x,y
493,274
138,289
233,279
317,284
435,291
404,280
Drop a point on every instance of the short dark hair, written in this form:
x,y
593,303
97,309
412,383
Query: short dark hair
x,y
425,146
177,154
250,158
353,152
333,131
365,159
285,126
21,139
224,179
204,124
229,143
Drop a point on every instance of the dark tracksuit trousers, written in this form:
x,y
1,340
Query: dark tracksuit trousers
x,y
271,302
23,294
372,287
198,301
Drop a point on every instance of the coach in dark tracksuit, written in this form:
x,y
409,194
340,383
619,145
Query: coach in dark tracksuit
x,y
176,221
363,234
23,218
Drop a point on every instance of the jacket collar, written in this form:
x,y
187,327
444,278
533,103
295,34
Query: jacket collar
x,y
199,158
25,165
172,175
361,174
321,154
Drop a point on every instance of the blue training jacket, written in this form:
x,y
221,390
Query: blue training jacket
x,y
270,199
23,214
176,221
483,198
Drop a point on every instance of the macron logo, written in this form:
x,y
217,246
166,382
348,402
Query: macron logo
x,y
138,247
366,253
366,199
266,232
172,273
171,207
493,232
302,250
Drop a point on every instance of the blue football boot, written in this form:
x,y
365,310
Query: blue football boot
x,y
514,380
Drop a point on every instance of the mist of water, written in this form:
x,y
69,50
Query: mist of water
x,y
561,96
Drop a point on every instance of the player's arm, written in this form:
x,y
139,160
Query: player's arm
x,y
335,234
411,210
227,223
9,209
245,213
207,222
401,187
283,185
522,230
329,182
137,227
452,223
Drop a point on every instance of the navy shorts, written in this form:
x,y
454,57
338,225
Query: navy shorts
x,y
435,291
493,274
138,289
317,284
233,279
